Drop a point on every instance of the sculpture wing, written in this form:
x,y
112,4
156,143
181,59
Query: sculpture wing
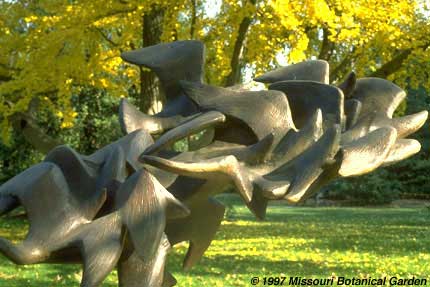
x,y
378,95
146,273
131,119
144,205
171,62
132,144
368,152
304,169
193,126
263,112
208,169
352,112
41,188
305,97
402,148
314,70
348,85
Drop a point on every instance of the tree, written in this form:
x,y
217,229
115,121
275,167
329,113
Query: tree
x,y
54,49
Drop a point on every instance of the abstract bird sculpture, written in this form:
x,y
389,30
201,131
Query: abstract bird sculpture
x,y
125,205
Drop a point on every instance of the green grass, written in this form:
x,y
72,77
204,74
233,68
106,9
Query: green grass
x,y
307,242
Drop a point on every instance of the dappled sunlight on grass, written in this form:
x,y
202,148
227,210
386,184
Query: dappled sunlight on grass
x,y
307,242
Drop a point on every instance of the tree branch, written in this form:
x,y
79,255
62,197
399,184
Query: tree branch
x,y
115,12
336,72
234,76
326,46
193,18
395,63
4,78
33,133
106,37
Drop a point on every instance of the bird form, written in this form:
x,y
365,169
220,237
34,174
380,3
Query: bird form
x,y
125,205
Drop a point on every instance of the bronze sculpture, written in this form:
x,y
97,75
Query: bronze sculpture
x,y
125,205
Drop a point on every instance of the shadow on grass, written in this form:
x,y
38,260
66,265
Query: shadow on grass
x,y
247,265
299,240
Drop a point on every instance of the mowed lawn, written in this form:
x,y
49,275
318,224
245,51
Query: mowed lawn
x,y
299,241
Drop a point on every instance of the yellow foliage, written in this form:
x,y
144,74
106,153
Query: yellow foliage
x,y
52,49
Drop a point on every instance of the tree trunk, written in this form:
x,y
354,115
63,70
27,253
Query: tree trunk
x,y
151,34
341,69
326,46
193,18
234,77
33,133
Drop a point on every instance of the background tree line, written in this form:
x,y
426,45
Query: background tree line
x,y
61,76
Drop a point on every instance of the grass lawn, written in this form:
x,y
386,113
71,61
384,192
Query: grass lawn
x,y
307,242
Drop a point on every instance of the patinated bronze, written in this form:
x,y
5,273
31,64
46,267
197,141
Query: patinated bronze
x,y
125,205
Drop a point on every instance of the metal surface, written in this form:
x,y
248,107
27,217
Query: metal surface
x,y
125,206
